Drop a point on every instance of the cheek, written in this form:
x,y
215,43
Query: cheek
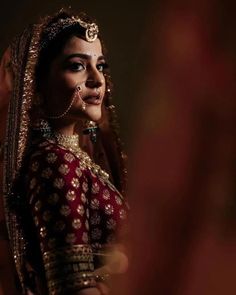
x,y
61,86
65,81
103,88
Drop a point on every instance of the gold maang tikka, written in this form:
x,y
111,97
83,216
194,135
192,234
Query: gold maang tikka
x,y
91,29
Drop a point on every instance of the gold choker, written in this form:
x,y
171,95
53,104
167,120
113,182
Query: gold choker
x,y
68,141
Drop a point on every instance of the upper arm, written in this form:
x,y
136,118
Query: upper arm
x,y
58,204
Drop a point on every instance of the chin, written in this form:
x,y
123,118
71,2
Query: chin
x,y
94,115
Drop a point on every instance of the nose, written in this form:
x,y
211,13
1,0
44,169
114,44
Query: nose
x,y
95,79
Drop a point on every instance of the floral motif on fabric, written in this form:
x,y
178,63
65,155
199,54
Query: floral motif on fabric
x,y
76,223
35,166
95,218
51,158
58,183
94,204
95,188
71,204
106,194
78,172
96,234
69,157
47,173
109,209
75,182
111,224
71,195
64,169
80,210
65,210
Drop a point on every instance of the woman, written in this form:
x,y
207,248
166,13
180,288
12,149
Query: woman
x,y
64,213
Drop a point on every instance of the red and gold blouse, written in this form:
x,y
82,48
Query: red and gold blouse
x,y
76,212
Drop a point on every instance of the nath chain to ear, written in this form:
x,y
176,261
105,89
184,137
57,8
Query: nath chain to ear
x,y
77,90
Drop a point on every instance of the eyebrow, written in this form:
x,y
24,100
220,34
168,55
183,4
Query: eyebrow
x,y
83,56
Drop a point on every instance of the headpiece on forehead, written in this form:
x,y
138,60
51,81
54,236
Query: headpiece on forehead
x,y
91,29
25,52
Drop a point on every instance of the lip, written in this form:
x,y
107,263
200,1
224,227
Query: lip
x,y
92,99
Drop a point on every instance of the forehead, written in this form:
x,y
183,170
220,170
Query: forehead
x,y
78,45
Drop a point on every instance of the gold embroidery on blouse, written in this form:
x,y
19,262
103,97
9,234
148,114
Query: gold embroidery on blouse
x,y
109,209
94,204
85,186
64,169
51,158
37,205
75,182
65,210
85,237
69,157
118,200
35,166
122,214
95,188
111,224
76,223
80,210
71,196
106,194
95,218
43,232
96,234
83,198
78,172
58,183
47,173
87,163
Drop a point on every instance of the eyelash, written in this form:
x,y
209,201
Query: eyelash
x,y
104,66
75,66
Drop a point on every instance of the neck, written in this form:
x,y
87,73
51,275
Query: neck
x,y
66,126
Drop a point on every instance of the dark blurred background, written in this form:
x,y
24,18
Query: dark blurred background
x,y
174,68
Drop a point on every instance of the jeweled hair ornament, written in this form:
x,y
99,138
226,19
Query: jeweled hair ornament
x,y
91,29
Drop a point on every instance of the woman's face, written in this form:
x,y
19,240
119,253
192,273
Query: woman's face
x,y
82,64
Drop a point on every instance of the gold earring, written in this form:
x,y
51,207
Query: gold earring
x,y
83,106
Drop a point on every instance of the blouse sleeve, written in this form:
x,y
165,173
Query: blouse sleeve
x,y
58,203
